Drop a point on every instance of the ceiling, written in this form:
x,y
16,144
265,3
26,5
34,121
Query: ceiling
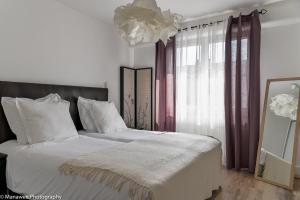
x,y
104,9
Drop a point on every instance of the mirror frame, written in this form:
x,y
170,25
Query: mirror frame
x,y
295,148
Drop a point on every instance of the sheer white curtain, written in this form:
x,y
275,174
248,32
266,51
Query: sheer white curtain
x,y
200,81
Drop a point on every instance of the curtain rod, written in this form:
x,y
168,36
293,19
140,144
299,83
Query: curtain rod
x,y
261,12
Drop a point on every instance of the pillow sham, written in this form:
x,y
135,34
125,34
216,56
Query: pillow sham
x,y
106,117
46,121
84,109
13,117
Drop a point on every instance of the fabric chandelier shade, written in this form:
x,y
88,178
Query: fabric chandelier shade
x,y
144,22
165,81
242,90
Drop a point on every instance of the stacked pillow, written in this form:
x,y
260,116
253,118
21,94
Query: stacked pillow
x,y
34,121
100,116
49,119
84,109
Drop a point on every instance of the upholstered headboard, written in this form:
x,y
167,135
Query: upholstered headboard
x,y
34,91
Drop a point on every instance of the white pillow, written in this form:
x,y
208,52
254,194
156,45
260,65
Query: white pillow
x,y
13,117
46,121
84,109
106,117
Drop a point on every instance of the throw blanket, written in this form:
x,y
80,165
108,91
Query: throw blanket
x,y
147,166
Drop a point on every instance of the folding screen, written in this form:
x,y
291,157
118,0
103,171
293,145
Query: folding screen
x,y
136,97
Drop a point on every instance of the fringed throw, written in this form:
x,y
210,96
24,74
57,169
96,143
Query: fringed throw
x,y
151,169
109,179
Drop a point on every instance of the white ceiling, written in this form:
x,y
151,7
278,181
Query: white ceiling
x,y
104,9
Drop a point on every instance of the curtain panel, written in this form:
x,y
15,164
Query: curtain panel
x,y
165,79
242,90
200,75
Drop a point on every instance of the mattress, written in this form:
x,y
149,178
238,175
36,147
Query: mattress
x,y
33,169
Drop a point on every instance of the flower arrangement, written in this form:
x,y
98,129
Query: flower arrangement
x,y
284,105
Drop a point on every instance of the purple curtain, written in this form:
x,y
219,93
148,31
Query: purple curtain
x,y
242,91
165,86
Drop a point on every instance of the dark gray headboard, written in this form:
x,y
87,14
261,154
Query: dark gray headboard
x,y
34,91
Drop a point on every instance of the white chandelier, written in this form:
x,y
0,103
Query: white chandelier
x,y
143,22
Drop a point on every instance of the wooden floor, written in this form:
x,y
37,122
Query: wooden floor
x,y
243,186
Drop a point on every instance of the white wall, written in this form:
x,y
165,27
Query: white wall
x,y
47,42
280,43
144,56
279,54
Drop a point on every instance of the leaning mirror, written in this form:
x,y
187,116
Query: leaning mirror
x,y
279,133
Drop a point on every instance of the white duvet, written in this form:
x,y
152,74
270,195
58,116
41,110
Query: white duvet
x,y
34,169
127,135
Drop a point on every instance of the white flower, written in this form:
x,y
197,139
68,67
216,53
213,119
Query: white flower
x,y
284,105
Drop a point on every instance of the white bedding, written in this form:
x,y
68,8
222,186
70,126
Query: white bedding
x,y
127,135
33,169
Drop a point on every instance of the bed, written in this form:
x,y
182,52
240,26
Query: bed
x,y
128,135
33,169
